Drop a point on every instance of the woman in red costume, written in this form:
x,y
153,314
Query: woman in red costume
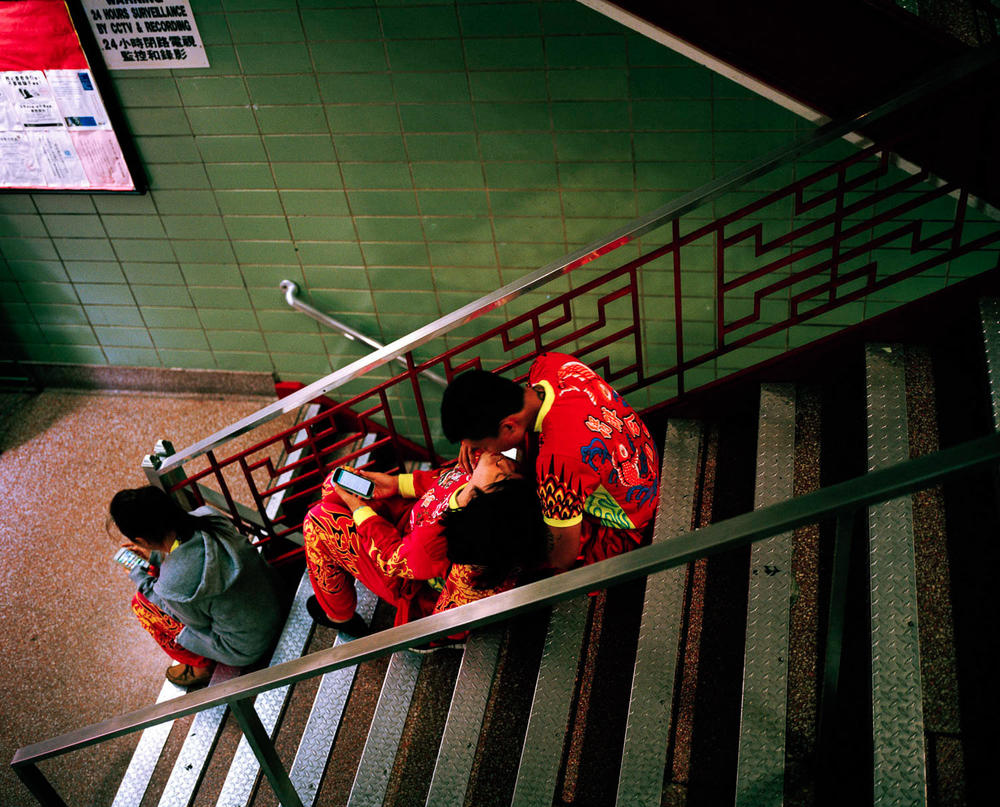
x,y
395,542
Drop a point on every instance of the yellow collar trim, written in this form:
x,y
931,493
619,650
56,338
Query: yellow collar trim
x,y
174,545
453,501
550,398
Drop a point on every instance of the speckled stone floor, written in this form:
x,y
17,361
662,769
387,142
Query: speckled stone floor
x,y
72,652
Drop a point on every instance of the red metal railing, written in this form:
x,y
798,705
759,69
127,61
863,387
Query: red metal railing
x,y
848,230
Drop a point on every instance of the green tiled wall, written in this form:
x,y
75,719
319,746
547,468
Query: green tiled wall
x,y
396,160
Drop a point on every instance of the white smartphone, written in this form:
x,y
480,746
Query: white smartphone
x,y
130,560
355,483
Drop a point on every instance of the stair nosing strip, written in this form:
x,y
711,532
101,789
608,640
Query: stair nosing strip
x,y
651,700
382,743
316,743
761,752
898,734
989,314
457,750
147,753
546,732
241,779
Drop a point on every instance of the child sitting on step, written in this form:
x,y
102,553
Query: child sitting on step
x,y
208,595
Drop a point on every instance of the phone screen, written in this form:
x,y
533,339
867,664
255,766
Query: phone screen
x,y
354,482
129,559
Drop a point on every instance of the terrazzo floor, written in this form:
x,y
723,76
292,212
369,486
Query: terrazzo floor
x,y
72,652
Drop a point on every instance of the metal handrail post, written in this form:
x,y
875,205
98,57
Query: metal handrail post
x,y
151,464
40,787
263,748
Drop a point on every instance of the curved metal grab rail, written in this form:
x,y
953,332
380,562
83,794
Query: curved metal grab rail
x,y
844,497
823,135
291,289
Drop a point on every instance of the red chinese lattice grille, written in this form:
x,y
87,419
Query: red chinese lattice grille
x,y
839,235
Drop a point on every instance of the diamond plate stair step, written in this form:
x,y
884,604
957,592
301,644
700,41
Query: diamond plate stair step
x,y
378,756
244,770
147,752
457,751
328,708
194,755
897,712
989,314
546,733
650,704
761,760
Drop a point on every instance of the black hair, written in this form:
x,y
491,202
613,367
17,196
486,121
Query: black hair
x,y
475,402
500,531
151,514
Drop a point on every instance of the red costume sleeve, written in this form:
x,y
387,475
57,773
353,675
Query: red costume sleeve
x,y
423,481
419,555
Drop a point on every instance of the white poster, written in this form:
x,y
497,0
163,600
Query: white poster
x,y
146,34
29,100
57,156
18,165
77,99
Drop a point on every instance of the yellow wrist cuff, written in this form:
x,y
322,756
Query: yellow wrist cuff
x,y
362,514
406,487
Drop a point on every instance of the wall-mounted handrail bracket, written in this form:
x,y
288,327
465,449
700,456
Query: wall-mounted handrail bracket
x,y
291,289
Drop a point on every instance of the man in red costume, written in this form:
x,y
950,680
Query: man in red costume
x,y
596,466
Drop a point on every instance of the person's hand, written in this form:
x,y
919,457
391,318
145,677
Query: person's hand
x,y
386,485
468,456
352,501
142,553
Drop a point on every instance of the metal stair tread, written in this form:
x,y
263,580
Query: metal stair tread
x,y
545,735
650,704
328,707
372,777
456,753
897,711
761,757
244,770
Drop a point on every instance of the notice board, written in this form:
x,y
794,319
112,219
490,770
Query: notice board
x,y
56,133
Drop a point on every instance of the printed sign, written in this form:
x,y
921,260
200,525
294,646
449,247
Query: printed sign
x,y
146,34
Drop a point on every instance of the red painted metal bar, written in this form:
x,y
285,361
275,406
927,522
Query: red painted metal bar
x,y
562,323
678,309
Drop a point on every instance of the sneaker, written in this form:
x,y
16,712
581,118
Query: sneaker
x,y
355,626
186,675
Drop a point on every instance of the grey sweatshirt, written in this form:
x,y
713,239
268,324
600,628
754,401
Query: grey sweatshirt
x,y
221,589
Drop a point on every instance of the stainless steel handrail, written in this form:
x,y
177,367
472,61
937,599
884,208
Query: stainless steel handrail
x,y
291,289
844,497
938,79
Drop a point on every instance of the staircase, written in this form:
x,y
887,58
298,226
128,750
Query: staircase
x,y
701,685
780,671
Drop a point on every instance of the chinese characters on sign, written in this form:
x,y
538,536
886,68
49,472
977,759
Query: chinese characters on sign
x,y
146,34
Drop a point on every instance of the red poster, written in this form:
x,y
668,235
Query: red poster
x,y
39,35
